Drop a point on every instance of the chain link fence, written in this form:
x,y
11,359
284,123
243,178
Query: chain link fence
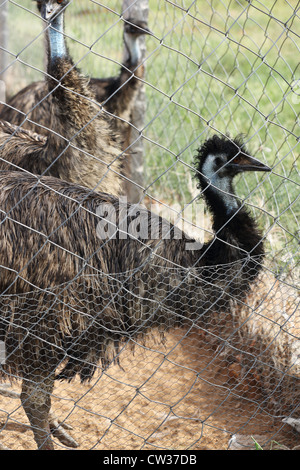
x,y
212,67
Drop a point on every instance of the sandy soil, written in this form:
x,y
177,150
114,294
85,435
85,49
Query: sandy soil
x,y
172,396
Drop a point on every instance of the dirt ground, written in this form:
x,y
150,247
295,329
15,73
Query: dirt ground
x,y
175,395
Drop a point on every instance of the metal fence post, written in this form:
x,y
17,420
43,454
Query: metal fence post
x,y
138,9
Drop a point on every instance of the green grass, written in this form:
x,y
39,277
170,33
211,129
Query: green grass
x,y
256,444
223,66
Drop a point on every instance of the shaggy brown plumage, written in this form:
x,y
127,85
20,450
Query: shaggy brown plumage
x,y
32,107
81,146
74,284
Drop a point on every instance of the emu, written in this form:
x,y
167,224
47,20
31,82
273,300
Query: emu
x,y
116,94
81,146
75,283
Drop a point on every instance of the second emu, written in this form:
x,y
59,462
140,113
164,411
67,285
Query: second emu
x,y
74,284
81,145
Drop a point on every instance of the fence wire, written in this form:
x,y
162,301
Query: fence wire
x,y
217,370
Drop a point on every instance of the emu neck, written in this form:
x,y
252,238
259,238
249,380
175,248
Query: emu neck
x,y
218,190
236,232
56,38
221,198
133,50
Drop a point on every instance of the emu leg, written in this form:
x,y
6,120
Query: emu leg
x,y
36,401
57,428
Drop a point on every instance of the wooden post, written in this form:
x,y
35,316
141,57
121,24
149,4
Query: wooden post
x,y
138,9
3,45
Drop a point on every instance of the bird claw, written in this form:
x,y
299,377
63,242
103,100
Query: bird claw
x,y
58,429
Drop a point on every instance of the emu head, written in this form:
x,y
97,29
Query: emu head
x,y
51,8
219,159
133,30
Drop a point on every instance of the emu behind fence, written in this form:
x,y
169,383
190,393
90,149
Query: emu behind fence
x,y
149,258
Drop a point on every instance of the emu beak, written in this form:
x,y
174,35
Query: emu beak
x,y
135,28
245,162
146,30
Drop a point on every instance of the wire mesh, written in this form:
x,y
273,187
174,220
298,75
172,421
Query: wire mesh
x,y
216,368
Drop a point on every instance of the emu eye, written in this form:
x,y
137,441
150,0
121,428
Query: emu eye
x,y
59,1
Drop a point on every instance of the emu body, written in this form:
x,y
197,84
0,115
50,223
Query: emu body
x,y
81,146
70,293
33,106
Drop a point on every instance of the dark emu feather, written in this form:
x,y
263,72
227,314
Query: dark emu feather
x,y
82,272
